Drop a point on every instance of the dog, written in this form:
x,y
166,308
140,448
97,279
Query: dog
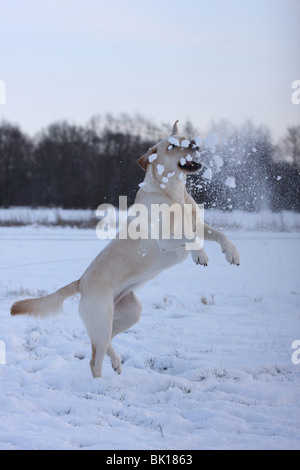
x,y
108,303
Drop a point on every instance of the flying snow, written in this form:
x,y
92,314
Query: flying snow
x,y
160,169
198,141
211,141
185,143
218,161
152,157
174,141
230,182
208,174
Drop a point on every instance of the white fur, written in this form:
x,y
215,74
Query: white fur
x,y
108,305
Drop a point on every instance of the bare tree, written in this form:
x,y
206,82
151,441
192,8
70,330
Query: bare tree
x,y
16,165
82,166
290,146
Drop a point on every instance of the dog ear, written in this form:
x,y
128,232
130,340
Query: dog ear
x,y
175,128
143,161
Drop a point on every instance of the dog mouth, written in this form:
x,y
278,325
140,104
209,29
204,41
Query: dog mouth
x,y
190,166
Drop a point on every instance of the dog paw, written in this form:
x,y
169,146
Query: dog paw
x,y
200,257
116,364
118,370
231,253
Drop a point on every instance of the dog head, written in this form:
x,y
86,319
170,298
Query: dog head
x,y
175,154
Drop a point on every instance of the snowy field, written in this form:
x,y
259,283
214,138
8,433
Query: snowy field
x,y
85,218
209,366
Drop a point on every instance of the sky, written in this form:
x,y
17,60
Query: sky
x,y
202,60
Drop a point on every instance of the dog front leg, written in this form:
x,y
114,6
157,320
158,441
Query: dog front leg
x,y
200,257
227,247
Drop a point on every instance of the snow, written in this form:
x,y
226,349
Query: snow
x,y
27,215
209,365
230,182
185,143
160,169
285,221
208,174
198,141
218,161
263,220
211,141
174,141
152,157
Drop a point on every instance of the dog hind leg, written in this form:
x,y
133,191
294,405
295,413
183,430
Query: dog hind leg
x,y
115,359
127,312
97,316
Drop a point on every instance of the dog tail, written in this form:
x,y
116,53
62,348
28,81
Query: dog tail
x,y
45,306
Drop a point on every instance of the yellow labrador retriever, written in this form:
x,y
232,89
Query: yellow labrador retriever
x,y
108,304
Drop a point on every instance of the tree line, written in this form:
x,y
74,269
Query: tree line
x,y
73,166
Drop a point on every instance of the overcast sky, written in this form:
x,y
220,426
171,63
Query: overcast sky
x,y
165,59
